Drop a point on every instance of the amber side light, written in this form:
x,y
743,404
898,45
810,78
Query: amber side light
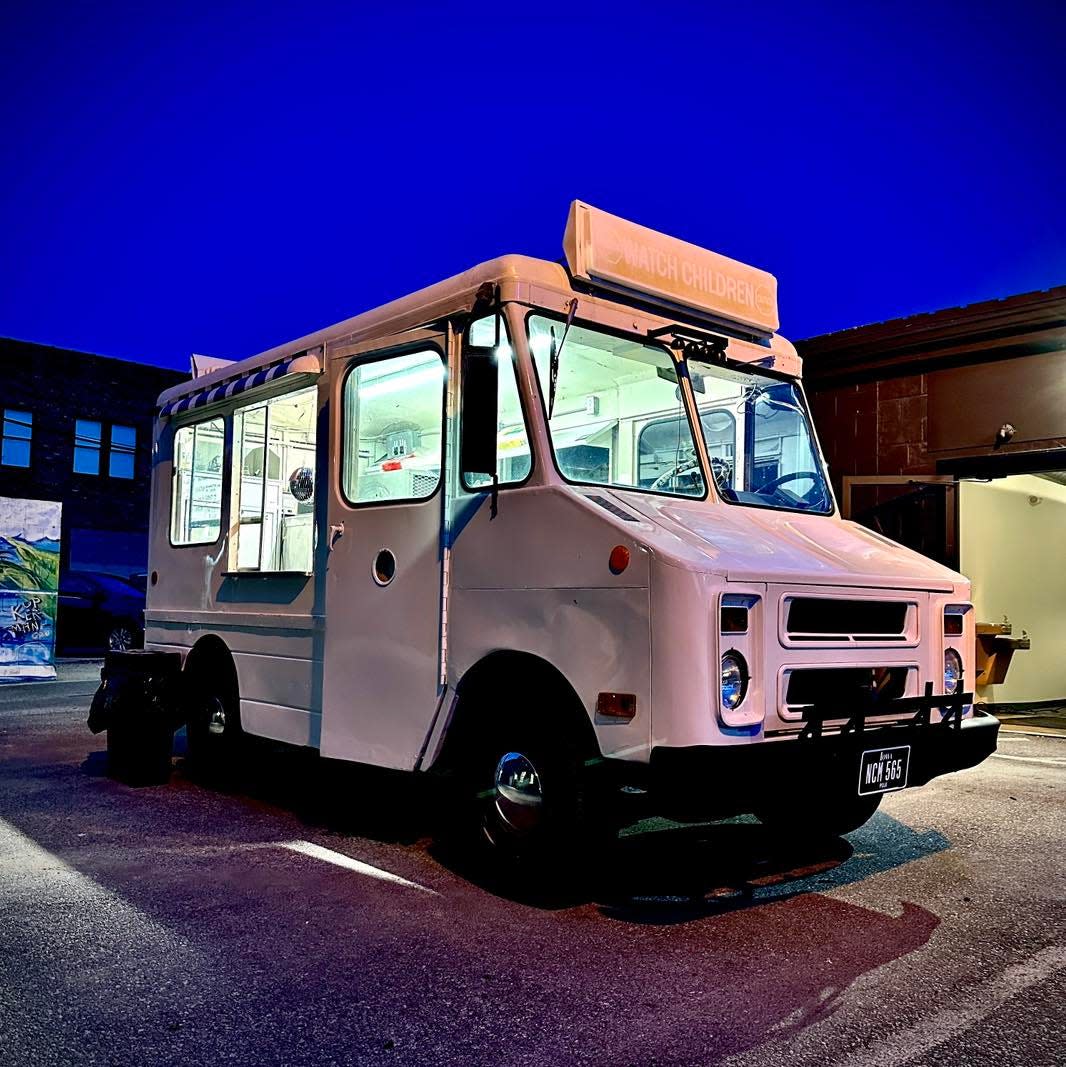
x,y
734,620
953,625
617,706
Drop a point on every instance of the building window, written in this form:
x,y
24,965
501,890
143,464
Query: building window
x,y
123,447
87,440
274,473
393,429
15,442
89,444
196,486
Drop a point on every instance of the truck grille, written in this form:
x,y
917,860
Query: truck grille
x,y
827,619
841,691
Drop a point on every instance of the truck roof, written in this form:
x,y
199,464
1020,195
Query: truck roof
x,y
421,306
443,298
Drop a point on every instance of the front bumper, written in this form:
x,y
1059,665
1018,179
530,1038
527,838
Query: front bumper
x,y
737,779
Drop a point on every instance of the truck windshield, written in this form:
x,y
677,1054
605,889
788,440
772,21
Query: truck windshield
x,y
759,439
618,417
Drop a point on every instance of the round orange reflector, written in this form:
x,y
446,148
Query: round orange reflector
x,y
619,559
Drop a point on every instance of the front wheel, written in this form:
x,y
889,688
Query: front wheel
x,y
530,806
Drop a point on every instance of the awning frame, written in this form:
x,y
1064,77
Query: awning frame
x,y
305,365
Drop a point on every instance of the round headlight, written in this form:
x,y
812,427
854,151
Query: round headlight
x,y
734,679
952,671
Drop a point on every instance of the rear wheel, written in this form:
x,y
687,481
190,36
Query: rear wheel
x,y
213,729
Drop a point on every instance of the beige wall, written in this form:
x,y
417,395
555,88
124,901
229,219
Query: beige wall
x,y
1013,548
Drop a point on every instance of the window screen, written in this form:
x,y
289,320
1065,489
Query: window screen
x,y
196,488
393,428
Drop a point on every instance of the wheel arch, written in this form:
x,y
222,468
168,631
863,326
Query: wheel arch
x,y
210,659
502,671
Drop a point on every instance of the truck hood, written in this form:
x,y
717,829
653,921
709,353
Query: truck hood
x,y
760,545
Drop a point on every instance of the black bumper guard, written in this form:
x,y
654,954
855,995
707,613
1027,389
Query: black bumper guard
x,y
952,705
729,779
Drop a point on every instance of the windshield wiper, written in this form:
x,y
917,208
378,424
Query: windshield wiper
x,y
553,356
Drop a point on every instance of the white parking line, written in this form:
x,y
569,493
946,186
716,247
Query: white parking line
x,y
309,848
904,1046
1049,760
907,1045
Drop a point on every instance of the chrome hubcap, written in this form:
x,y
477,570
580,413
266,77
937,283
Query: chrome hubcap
x,y
519,797
216,719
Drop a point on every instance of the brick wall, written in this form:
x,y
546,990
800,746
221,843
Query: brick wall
x,y
875,427
58,386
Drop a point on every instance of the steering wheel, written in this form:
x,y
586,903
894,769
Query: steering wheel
x,y
686,466
794,476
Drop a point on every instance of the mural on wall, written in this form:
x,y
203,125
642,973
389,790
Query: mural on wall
x,y
29,584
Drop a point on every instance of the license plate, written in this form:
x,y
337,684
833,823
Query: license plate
x,y
883,769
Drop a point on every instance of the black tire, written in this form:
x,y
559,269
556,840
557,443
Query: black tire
x,y
540,842
831,813
215,740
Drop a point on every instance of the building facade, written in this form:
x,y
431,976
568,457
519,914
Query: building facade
x,y
947,432
77,428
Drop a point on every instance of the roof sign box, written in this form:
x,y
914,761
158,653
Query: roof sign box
x,y
613,253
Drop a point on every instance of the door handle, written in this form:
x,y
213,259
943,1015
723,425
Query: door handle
x,y
336,532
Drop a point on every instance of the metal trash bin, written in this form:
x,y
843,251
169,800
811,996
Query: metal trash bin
x,y
138,704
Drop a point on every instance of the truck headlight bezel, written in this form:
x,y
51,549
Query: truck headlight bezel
x,y
952,672
733,686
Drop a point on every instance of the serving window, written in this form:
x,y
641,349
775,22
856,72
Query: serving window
x,y
196,486
274,479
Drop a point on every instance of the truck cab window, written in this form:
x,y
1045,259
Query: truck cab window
x,y
273,449
759,439
196,488
514,460
609,389
393,428
657,447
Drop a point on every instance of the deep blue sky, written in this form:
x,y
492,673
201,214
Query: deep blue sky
x,y
225,178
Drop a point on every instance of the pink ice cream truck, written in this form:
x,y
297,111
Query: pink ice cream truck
x,y
560,534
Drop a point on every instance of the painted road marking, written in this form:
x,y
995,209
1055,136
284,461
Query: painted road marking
x,y
308,848
1049,760
904,1046
907,1045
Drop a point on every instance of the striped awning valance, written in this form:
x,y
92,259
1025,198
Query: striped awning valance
x,y
307,363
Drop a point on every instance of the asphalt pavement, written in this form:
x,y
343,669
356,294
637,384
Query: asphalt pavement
x,y
302,915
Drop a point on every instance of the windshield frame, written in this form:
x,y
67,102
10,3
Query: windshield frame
x,y
682,373
816,446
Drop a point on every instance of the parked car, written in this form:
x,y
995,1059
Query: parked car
x,y
98,612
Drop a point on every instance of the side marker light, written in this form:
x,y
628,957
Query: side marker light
x,y
622,706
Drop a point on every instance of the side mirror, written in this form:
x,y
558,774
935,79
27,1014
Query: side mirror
x,y
480,391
